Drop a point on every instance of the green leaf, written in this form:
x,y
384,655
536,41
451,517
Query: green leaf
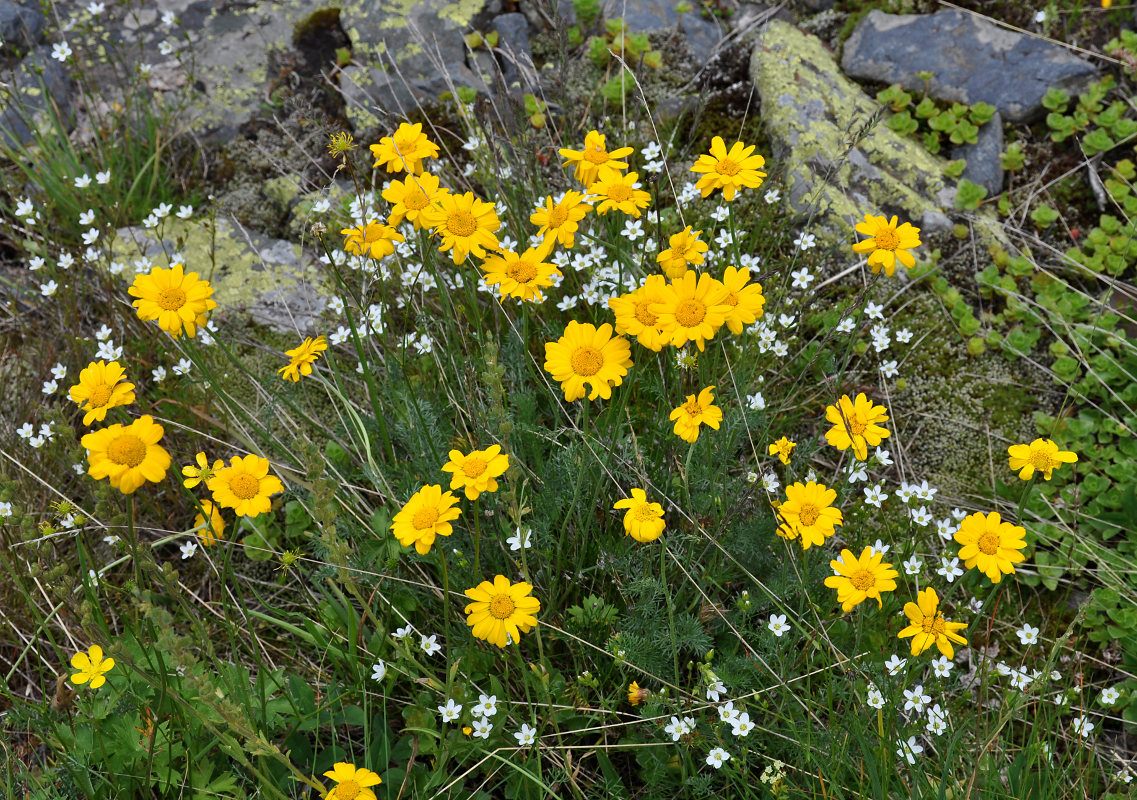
x,y
1044,216
1013,157
902,123
1055,100
1097,141
969,195
981,113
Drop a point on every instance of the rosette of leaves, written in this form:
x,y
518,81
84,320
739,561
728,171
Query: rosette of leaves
x,y
936,123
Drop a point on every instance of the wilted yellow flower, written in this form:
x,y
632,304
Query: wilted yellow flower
x,y
212,532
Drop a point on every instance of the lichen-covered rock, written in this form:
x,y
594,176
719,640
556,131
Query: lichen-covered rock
x,y
971,60
274,282
21,25
641,16
37,97
840,161
408,52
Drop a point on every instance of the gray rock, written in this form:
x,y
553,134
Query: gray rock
x,y
514,53
984,158
274,282
38,95
21,26
818,5
649,15
376,96
970,59
839,162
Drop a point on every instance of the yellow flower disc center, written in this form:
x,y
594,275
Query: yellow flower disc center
x,y
100,395
1040,460
693,408
171,299
863,580
521,271
425,518
645,512
858,427
245,486
415,199
727,167
557,217
933,625
690,313
127,449
731,299
620,192
461,223
644,316
473,467
596,155
502,606
886,239
808,514
680,250
586,361
988,544
348,790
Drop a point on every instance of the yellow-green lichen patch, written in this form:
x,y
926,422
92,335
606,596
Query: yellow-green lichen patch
x,y
277,283
840,160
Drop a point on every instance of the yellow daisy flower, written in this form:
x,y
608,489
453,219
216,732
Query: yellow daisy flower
x,y
887,243
99,390
807,513
92,667
351,783
409,198
501,610
426,515
861,577
245,486
635,317
643,521
302,358
560,220
694,413
520,276
465,224
637,694
782,449
594,160
213,532
128,456
405,151
1042,455
588,355
729,170
685,249
744,298
991,545
856,425
373,239
476,472
619,192
178,300
692,309
202,472
929,627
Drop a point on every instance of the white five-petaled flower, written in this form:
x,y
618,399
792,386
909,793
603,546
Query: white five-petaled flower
x,y
1028,634
895,664
1109,696
912,566
874,697
487,705
450,711
801,278
717,757
915,699
521,539
61,51
379,670
777,624
526,736
482,728
804,241
429,644
942,666
909,750
949,569
741,725
1082,726
874,496
188,549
